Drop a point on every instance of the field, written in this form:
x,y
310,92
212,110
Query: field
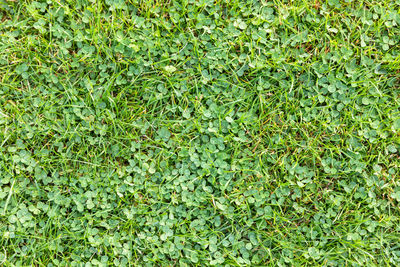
x,y
200,132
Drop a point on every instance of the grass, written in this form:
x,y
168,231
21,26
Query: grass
x,y
227,133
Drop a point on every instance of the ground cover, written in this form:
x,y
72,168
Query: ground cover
x,y
180,133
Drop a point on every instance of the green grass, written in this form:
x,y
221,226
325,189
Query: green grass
x,y
191,133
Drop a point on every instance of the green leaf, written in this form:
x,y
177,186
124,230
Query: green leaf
x,y
396,124
164,133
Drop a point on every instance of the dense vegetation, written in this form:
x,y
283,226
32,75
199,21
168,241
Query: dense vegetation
x,y
199,132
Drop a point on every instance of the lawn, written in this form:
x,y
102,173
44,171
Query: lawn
x,y
200,132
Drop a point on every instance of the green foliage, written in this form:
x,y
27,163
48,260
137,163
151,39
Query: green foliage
x,y
226,133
